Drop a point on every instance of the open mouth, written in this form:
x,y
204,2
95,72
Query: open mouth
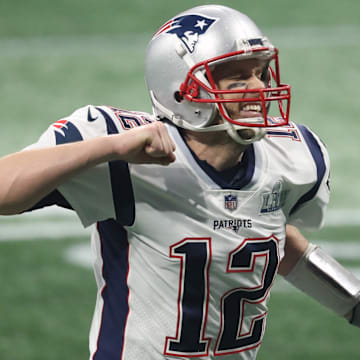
x,y
251,110
252,107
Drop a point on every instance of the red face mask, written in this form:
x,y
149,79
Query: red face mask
x,y
273,90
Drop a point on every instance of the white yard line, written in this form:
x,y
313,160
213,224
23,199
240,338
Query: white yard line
x,y
81,255
342,217
283,37
51,223
342,250
55,223
281,285
48,230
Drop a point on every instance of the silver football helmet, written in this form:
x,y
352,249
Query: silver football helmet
x,y
180,60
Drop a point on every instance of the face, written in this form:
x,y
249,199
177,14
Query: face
x,y
241,75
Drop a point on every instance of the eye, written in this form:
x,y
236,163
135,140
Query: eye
x,y
237,85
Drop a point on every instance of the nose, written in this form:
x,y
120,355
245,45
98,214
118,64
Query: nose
x,y
255,83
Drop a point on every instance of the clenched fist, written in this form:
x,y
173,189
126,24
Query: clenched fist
x,y
148,144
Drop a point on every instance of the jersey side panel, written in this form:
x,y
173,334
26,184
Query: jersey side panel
x,y
107,333
302,161
309,211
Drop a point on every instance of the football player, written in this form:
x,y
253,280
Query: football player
x,y
186,254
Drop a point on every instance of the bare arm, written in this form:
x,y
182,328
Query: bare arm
x,y
295,246
27,176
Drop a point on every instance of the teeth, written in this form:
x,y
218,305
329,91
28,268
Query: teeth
x,y
252,107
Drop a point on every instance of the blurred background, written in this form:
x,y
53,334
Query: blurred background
x,y
58,56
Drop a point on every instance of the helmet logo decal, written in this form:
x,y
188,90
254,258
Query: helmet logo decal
x,y
187,28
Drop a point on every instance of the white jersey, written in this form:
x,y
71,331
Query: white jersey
x,y
185,256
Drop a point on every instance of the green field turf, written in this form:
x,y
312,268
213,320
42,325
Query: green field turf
x,y
58,56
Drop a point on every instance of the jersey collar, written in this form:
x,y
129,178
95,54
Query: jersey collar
x,y
237,178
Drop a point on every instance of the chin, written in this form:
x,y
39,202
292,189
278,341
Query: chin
x,y
246,134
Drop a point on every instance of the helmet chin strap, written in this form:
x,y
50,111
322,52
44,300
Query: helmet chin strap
x,y
231,129
235,131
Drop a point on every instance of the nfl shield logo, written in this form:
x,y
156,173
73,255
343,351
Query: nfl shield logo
x,y
231,202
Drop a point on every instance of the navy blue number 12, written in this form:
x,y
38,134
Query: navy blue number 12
x,y
195,258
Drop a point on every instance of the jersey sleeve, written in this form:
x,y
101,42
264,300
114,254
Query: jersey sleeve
x,y
308,211
104,191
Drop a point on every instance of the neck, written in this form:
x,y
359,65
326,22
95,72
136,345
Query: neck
x,y
216,148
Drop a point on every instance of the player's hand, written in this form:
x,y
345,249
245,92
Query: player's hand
x,y
148,144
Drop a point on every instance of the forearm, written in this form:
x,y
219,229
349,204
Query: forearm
x,y
327,281
312,270
27,176
295,246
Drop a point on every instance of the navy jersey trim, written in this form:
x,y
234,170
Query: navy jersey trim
x,y
114,251
68,134
234,178
123,194
318,157
54,198
110,125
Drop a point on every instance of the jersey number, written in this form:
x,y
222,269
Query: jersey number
x,y
195,258
287,131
